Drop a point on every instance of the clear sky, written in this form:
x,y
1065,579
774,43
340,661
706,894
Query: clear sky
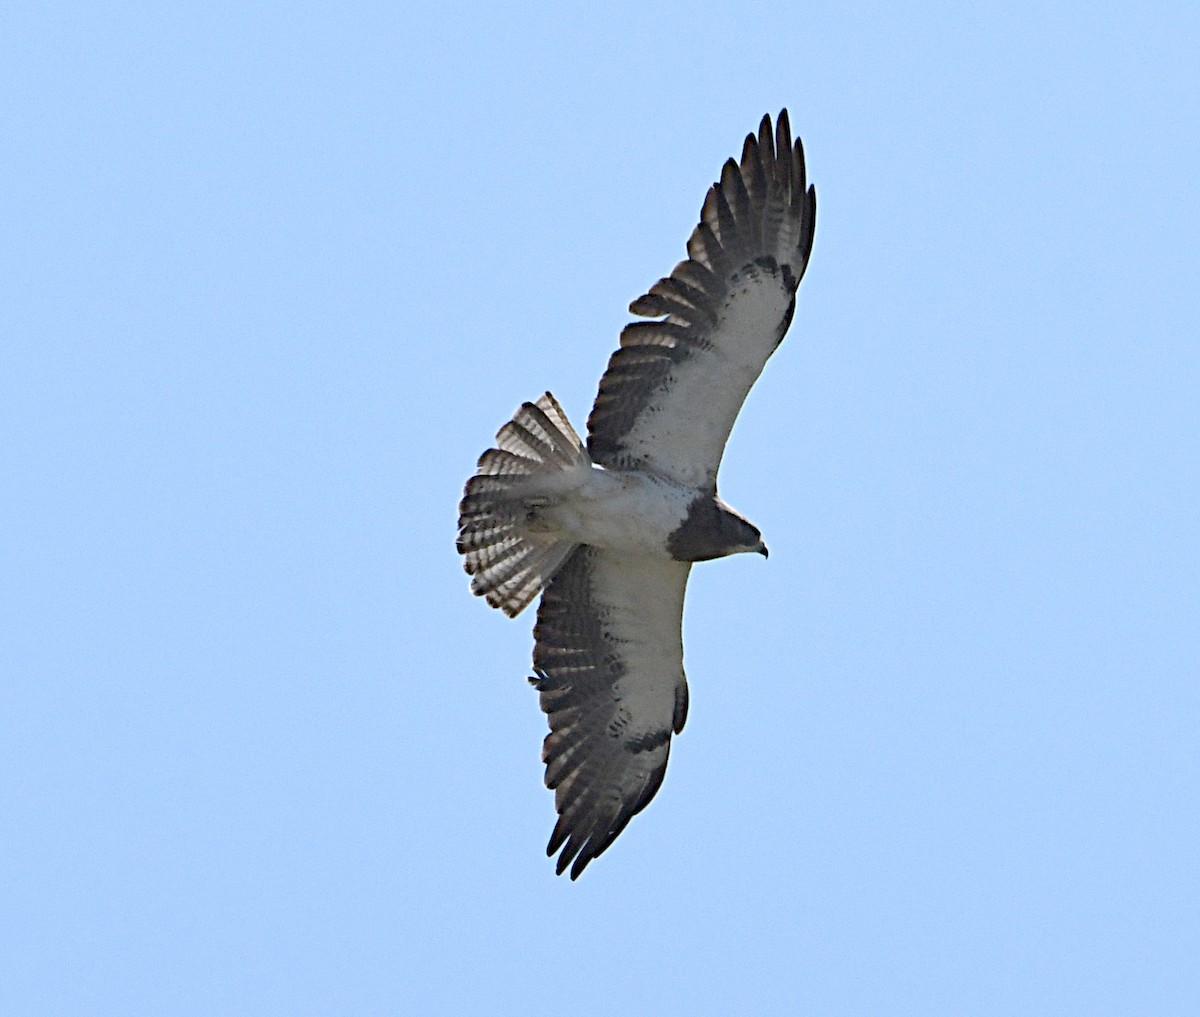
x,y
271,277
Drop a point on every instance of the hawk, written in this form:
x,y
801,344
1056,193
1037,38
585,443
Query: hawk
x,y
608,532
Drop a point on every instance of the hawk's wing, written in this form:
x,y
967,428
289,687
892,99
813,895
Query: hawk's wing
x,y
609,663
674,387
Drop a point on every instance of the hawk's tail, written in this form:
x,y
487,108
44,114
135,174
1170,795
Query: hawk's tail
x,y
510,560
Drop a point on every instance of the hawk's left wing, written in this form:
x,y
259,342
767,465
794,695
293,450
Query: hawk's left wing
x,y
673,389
609,663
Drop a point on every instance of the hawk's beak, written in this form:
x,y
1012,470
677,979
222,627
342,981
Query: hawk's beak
x,y
762,549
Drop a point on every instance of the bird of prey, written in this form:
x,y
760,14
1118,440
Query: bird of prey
x,y
608,532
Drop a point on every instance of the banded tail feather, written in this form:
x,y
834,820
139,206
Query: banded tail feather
x,y
509,558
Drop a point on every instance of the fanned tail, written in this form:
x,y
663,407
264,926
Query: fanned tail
x,y
509,558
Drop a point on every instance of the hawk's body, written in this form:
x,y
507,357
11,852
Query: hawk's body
x,y
610,532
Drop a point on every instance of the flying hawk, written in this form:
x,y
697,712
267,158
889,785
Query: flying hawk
x,y
607,533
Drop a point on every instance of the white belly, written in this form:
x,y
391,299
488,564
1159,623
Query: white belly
x,y
620,510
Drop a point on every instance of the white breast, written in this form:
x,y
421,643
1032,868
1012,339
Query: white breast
x,y
621,510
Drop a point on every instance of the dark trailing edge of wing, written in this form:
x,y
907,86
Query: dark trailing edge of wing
x,y
762,212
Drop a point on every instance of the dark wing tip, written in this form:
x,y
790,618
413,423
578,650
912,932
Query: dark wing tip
x,y
783,135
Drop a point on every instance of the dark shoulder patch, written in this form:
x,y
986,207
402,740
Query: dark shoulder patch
x,y
698,537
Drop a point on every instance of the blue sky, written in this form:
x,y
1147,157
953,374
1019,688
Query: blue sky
x,y
272,277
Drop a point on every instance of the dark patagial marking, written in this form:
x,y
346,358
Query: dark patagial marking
x,y
710,530
781,331
681,707
648,742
